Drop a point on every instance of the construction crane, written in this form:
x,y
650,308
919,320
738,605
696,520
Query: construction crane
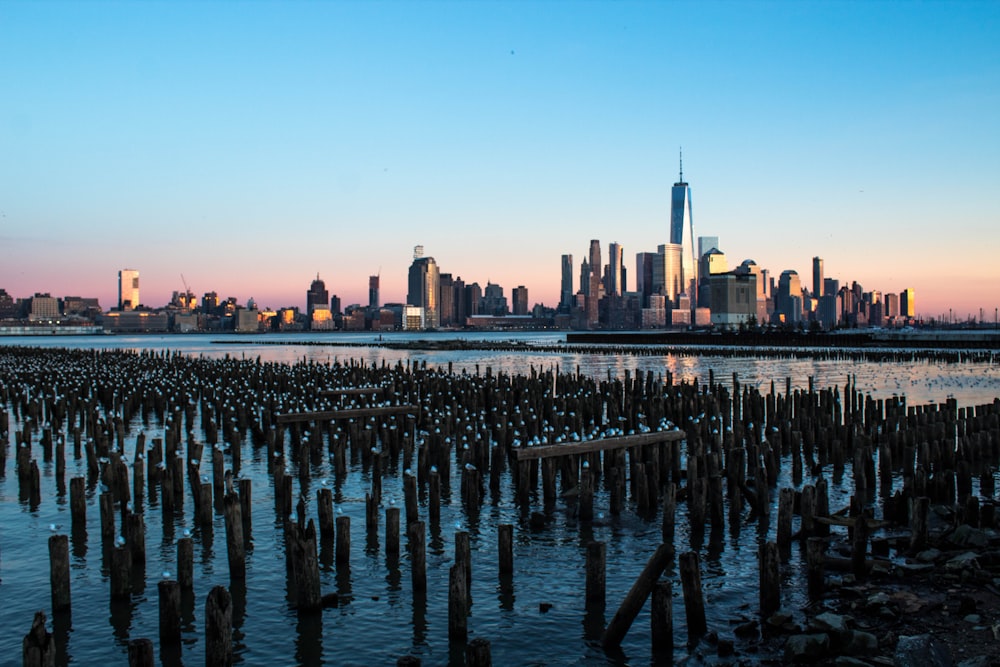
x,y
188,294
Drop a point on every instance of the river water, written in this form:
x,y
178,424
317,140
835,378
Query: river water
x,y
536,618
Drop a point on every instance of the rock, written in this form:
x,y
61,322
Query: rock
x,y
966,605
858,642
929,555
726,648
967,536
847,661
543,607
962,561
973,618
807,648
921,651
981,661
829,622
747,630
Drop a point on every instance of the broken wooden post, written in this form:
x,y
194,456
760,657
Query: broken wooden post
x,y
59,572
38,648
141,653
694,602
219,628
770,583
661,618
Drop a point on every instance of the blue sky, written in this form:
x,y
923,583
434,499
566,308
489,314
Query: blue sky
x,y
250,145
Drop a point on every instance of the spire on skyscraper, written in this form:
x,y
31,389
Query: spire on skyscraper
x,y
681,151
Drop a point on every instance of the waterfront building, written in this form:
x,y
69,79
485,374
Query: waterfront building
x,y
566,283
424,288
247,320
44,308
682,232
460,307
519,297
494,302
891,305
128,289
818,284
733,298
209,303
473,299
414,318
712,261
595,289
316,296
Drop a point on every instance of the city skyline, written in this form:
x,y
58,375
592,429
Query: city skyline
x,y
248,147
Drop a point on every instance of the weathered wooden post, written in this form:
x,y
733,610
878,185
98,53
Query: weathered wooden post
x,y
694,603
121,572
596,574
324,511
343,540
661,618
770,583
392,532
669,509
78,503
636,597
410,498
59,572
141,653
786,505
816,561
219,628
38,649
478,653
235,545
185,563
170,612
505,546
418,557
107,518
458,613
463,558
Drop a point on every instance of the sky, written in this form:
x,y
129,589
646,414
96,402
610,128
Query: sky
x,y
245,147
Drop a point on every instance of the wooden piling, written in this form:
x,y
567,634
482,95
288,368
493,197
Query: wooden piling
x,y
343,540
770,582
694,602
78,503
185,563
59,572
38,648
661,618
458,613
418,558
170,612
219,628
596,574
478,653
141,653
392,531
636,597
235,544
505,547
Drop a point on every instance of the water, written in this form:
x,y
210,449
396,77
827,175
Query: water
x,y
378,619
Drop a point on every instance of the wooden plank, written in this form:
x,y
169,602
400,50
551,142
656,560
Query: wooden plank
x,y
352,391
331,415
623,442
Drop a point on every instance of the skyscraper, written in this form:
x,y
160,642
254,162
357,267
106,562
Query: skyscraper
x,y
682,232
817,277
519,296
706,243
373,296
128,289
614,270
566,286
424,284
789,299
594,291
906,304
317,296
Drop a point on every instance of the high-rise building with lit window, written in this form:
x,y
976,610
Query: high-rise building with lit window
x,y
128,289
424,285
682,232
907,307
317,296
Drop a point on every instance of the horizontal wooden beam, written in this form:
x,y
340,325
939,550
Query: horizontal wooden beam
x,y
352,391
353,413
588,446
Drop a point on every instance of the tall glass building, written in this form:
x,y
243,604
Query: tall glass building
x,y
682,232
424,285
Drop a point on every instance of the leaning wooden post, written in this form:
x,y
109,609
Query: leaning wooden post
x,y
661,617
505,546
170,612
596,574
38,649
141,653
477,653
694,603
458,614
636,596
59,572
770,583
219,628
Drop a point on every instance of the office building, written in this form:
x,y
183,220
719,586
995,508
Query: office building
x,y
316,297
906,303
614,282
519,296
706,243
644,275
566,284
595,289
818,284
446,299
424,287
788,304
682,232
668,276
128,289
373,288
